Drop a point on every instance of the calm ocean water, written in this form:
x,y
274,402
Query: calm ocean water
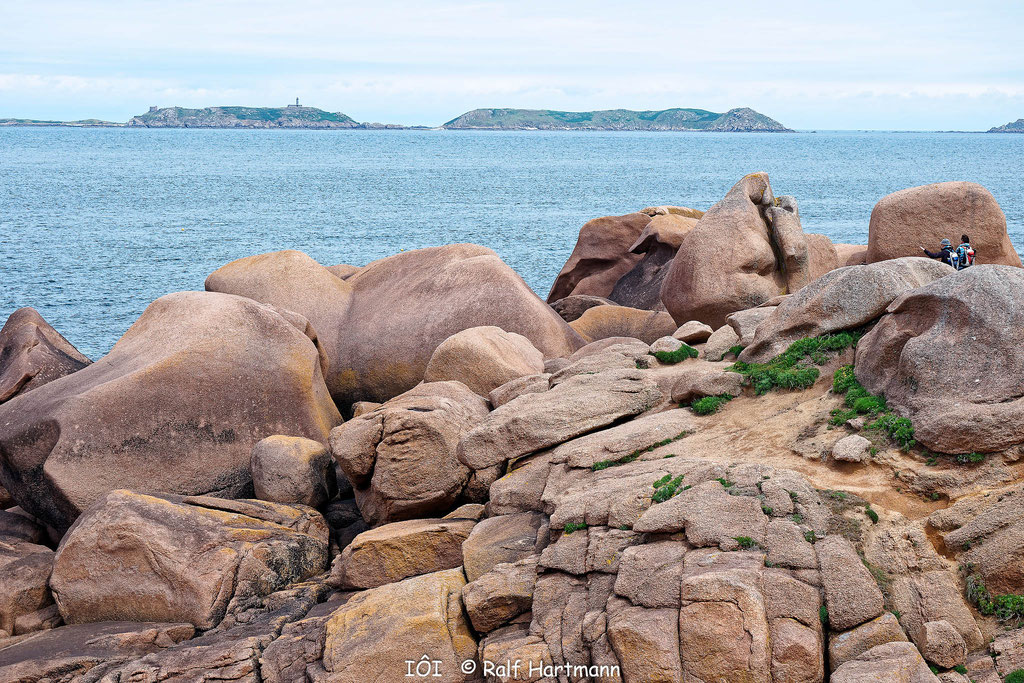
x,y
96,223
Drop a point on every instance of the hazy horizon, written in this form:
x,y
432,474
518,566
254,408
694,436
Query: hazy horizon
x,y
879,66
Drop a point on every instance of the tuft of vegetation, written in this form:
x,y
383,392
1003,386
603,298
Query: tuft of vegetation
x,y
746,542
1007,607
960,669
767,509
574,526
670,357
823,615
789,370
665,488
710,404
1015,677
859,402
872,515
736,350
810,536
725,482
605,464
970,458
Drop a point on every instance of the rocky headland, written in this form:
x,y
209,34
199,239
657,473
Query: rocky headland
x,y
723,449
1012,127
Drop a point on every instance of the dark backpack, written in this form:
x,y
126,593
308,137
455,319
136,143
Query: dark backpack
x,y
965,252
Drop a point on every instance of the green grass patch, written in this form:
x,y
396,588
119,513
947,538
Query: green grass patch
x,y
790,369
574,526
605,464
858,401
665,488
970,458
670,357
1015,677
1007,607
736,350
810,536
725,482
823,616
872,515
710,404
746,542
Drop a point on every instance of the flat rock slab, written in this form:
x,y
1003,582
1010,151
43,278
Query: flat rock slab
x,y
625,439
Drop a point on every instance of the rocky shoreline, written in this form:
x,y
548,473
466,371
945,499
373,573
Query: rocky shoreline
x,y
723,449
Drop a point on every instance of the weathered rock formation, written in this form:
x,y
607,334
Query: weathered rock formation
x,y
176,406
32,353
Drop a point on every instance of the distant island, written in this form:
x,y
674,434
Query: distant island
x,y
291,116
296,116
733,121
1015,127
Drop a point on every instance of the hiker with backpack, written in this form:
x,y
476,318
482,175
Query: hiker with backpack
x,y
965,253
946,253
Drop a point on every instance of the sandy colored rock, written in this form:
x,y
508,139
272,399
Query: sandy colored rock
x,y
851,595
500,595
905,220
646,642
25,568
701,378
917,354
293,469
578,405
503,539
396,551
380,326
70,652
177,405
709,515
575,305
892,662
658,243
622,440
528,384
720,342
483,358
602,322
601,256
844,299
852,254
853,448
666,345
693,332
363,407
745,323
943,645
146,558
343,270
650,574
32,353
401,457
369,638
848,645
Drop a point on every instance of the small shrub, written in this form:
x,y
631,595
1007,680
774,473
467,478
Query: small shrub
x,y
767,510
899,429
746,542
793,496
710,404
573,526
823,615
836,495
960,669
810,536
736,350
843,379
970,458
872,515
725,482
665,488
1015,677
670,357
797,518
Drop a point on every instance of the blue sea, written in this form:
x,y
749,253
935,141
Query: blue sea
x,y
96,223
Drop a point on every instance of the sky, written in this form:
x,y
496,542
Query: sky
x,y
811,65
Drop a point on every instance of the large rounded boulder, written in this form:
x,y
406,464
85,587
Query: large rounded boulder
x,y
32,353
484,358
747,249
843,299
601,256
950,356
904,221
176,406
380,326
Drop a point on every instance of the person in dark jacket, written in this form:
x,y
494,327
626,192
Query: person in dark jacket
x,y
944,254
